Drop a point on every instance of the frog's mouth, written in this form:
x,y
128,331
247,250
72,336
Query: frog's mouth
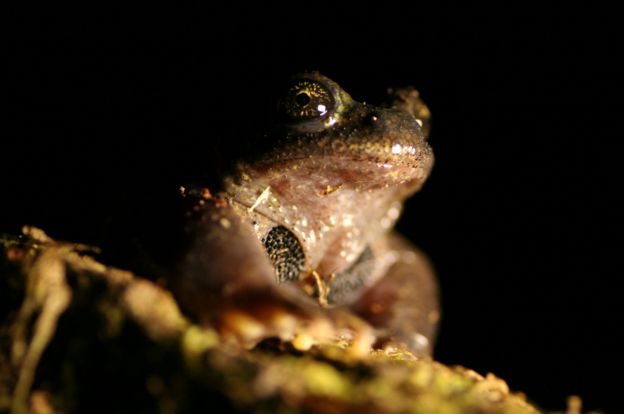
x,y
323,175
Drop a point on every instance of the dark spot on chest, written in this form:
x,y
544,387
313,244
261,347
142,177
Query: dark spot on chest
x,y
285,253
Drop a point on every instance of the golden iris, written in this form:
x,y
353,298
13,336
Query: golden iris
x,y
307,100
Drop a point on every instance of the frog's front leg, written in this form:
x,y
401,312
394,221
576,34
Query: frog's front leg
x,y
403,304
227,281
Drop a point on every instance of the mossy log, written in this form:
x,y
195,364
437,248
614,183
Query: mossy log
x,y
80,336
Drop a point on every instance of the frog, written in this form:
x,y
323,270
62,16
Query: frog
x,y
298,242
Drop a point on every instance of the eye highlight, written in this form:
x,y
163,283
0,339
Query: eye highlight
x,y
307,100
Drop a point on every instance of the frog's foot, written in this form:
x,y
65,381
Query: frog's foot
x,y
414,343
303,325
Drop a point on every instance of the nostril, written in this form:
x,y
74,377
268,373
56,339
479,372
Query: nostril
x,y
371,118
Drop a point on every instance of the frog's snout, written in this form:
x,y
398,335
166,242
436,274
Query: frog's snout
x,y
394,139
394,131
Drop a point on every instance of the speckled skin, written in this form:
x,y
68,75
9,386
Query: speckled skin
x,y
336,182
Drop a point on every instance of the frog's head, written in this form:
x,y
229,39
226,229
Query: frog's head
x,y
323,133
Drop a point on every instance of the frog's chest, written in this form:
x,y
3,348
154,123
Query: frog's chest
x,y
327,232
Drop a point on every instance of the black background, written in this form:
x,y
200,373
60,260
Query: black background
x,y
109,110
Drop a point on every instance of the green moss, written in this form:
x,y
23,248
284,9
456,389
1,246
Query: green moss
x,y
123,345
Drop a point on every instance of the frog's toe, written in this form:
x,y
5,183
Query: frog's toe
x,y
247,329
249,323
249,326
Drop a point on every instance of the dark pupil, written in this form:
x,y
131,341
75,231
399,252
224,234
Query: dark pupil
x,y
302,99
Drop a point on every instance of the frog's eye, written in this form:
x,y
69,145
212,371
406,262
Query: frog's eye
x,y
306,100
